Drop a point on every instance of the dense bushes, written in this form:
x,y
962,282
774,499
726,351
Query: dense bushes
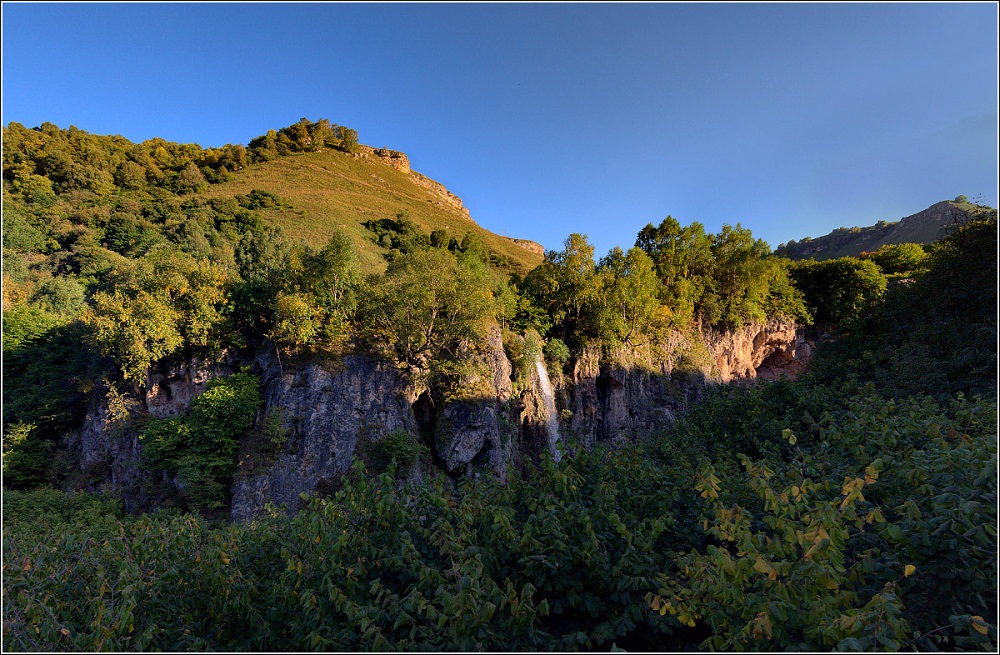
x,y
876,530
934,336
558,560
838,290
844,542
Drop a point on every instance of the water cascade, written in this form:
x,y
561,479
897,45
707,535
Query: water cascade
x,y
549,404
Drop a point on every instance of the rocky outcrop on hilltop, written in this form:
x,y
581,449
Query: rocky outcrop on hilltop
x,y
530,246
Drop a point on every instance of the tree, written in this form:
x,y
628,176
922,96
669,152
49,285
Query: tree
x,y
319,295
425,303
439,238
163,302
348,138
567,279
130,176
682,260
742,275
901,258
190,180
838,290
297,321
626,296
134,329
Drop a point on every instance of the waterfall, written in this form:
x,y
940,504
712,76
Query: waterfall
x,y
549,404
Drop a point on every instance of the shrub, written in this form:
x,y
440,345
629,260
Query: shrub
x,y
556,350
199,448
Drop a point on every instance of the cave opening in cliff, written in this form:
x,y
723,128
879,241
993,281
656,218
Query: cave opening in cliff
x,y
423,412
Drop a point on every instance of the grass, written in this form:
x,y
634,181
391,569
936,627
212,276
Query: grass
x,y
331,190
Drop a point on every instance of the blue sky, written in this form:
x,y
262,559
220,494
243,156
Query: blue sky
x,y
549,119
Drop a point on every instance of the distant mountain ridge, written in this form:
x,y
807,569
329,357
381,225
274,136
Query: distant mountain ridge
x,y
924,227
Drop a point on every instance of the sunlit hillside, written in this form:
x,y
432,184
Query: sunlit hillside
x,y
332,190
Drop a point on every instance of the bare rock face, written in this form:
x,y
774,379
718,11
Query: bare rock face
x,y
325,410
325,413
394,158
530,246
171,388
107,444
636,394
742,354
611,401
444,196
469,440
475,432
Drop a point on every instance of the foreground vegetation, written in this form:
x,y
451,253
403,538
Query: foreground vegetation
x,y
857,523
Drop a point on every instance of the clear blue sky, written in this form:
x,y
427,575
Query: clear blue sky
x,y
549,119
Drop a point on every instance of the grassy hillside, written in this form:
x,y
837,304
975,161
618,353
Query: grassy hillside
x,y
924,227
332,190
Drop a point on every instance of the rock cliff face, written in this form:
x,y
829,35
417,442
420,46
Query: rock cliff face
x,y
394,158
636,394
476,431
770,350
445,196
171,388
495,419
325,413
108,446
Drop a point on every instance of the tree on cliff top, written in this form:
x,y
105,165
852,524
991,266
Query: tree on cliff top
x,y
425,303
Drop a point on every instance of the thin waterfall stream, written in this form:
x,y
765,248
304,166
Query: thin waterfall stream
x,y
549,404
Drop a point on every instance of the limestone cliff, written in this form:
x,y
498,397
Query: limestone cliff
x,y
326,411
495,415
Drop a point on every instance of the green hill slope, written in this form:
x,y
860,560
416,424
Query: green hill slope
x,y
331,190
924,227
326,182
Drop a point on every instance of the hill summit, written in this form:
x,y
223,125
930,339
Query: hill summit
x,y
924,227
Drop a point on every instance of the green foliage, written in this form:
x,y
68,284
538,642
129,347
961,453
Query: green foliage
x,y
559,560
399,235
556,350
564,284
936,336
626,295
782,577
348,138
45,374
199,448
683,262
898,259
838,290
160,303
303,136
26,456
839,543
806,552
331,276
260,199
427,301
297,321
398,452
22,231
